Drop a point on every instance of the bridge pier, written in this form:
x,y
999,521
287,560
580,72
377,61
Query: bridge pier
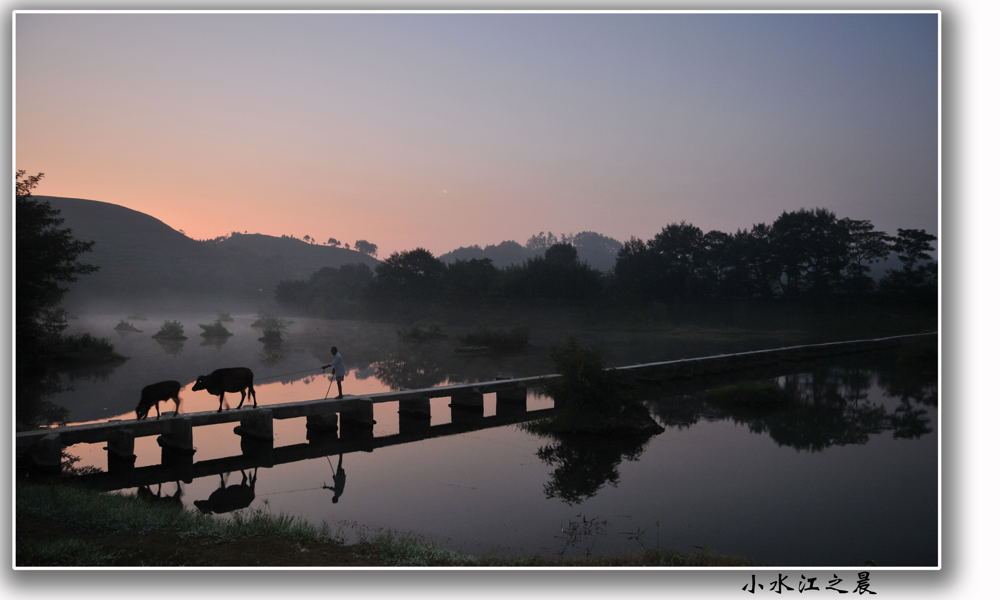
x,y
177,443
357,420
414,415
121,451
466,407
261,451
45,455
322,424
257,424
512,402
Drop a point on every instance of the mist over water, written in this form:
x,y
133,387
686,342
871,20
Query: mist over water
x,y
843,473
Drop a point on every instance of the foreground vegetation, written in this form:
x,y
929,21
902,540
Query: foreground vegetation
x,y
65,525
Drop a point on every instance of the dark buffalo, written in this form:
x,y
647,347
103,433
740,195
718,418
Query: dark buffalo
x,y
155,393
220,381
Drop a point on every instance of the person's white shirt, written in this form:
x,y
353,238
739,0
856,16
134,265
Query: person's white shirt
x,y
338,365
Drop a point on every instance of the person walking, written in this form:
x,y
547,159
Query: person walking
x,y
338,370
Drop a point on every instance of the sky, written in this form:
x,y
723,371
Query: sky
x,y
447,130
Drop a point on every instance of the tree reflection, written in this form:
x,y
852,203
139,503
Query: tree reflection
x,y
273,353
585,461
826,406
403,369
170,346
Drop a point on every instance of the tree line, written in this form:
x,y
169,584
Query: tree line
x,y
806,255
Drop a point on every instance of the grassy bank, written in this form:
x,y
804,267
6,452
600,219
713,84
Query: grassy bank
x,y
63,525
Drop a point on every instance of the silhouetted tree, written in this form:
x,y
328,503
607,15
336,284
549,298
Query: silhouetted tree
x,y
333,242
470,278
366,247
46,261
541,241
556,276
865,246
812,249
918,275
415,274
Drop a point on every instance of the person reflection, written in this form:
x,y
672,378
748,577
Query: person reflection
x,y
339,479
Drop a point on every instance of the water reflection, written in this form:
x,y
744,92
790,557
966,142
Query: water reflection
x,y
232,497
170,346
826,406
339,479
586,462
216,342
273,353
146,493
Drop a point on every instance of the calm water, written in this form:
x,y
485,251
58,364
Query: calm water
x,y
845,472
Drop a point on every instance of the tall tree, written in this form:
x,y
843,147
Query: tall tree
x,y
415,274
47,260
812,249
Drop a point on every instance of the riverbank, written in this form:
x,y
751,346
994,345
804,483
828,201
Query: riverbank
x,y
64,525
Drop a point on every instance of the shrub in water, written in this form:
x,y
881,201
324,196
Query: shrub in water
x,y
215,330
171,330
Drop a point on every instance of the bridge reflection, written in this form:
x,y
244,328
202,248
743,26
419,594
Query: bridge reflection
x,y
321,443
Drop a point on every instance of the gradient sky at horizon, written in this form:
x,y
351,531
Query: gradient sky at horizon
x,y
446,130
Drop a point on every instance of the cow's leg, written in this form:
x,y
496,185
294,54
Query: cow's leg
x,y
243,398
177,405
157,405
220,401
254,395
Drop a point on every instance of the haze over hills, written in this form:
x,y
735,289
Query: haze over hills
x,y
145,263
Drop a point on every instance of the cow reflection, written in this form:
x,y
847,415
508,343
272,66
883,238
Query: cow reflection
x,y
229,498
147,494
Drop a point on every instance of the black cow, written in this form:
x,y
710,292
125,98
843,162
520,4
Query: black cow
x,y
155,393
234,379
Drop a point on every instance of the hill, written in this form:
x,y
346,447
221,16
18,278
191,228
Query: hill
x,y
146,263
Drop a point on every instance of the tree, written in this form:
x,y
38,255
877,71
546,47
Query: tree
x,y
333,242
366,247
307,239
415,274
865,246
46,261
812,249
919,274
540,241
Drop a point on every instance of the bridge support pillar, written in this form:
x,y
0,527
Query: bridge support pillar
x,y
45,455
176,443
512,402
466,407
357,420
321,424
121,451
257,424
414,415
261,451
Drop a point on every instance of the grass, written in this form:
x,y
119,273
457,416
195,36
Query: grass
x,y
64,525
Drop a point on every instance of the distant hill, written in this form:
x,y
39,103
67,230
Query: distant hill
x,y
145,263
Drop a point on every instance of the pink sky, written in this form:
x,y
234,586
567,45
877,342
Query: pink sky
x,y
448,130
